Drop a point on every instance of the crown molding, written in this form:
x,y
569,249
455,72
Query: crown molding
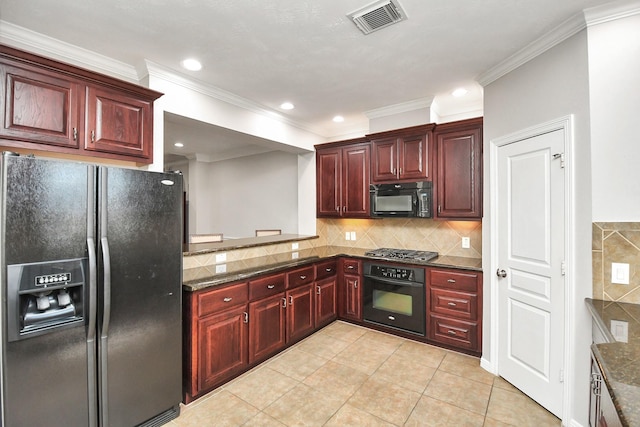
x,y
556,36
399,108
22,38
578,22
611,12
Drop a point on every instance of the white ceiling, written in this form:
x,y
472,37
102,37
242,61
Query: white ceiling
x,y
307,52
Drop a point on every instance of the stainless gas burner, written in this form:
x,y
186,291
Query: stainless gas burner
x,y
407,254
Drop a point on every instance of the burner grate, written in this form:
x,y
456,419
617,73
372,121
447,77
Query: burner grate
x,y
402,254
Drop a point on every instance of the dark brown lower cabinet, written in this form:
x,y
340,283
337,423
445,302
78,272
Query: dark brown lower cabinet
x,y
352,297
267,327
223,346
300,319
326,301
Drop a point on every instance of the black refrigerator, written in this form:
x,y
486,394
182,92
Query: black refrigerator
x,y
91,294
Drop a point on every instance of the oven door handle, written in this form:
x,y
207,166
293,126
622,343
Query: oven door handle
x,y
394,281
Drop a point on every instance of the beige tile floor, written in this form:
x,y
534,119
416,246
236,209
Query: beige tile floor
x,y
346,375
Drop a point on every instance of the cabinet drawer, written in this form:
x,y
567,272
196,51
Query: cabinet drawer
x,y
326,269
300,277
266,286
220,299
454,279
452,303
454,332
351,266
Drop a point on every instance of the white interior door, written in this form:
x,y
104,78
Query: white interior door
x,y
531,253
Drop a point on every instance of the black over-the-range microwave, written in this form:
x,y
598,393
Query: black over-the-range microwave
x,y
407,199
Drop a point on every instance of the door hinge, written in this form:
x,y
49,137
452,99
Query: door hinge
x,y
561,157
563,268
561,375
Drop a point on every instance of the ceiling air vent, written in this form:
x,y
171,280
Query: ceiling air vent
x,y
378,15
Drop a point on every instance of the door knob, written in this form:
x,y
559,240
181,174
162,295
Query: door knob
x,y
501,273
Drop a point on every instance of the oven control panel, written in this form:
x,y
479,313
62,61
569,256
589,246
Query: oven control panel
x,y
392,272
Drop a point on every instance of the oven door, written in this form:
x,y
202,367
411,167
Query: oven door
x,y
397,304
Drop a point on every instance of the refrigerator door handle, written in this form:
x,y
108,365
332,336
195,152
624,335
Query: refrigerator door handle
x,y
91,333
104,331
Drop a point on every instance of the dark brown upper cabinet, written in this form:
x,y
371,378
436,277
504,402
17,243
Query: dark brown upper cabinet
x,y
458,183
401,155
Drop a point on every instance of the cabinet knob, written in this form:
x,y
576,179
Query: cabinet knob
x,y
75,134
284,303
290,299
355,284
93,136
318,290
246,317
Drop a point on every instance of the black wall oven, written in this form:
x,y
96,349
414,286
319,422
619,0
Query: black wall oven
x,y
394,296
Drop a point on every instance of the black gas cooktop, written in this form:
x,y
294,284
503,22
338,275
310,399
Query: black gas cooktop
x,y
407,254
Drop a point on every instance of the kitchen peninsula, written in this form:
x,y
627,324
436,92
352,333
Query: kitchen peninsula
x,y
240,311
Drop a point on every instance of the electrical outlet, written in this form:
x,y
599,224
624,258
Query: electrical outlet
x,y
466,243
221,257
620,330
353,235
294,246
347,236
294,255
620,273
221,268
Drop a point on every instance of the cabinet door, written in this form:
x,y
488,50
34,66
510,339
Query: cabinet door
x,y
40,108
459,183
356,168
352,297
326,301
117,123
266,327
222,347
300,311
413,158
328,192
385,160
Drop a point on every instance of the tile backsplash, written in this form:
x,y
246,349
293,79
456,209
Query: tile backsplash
x,y
616,242
444,237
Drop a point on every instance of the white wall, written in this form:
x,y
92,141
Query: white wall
x,y
614,70
235,197
551,86
185,98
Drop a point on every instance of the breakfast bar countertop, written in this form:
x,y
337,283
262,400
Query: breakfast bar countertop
x,y
198,278
619,362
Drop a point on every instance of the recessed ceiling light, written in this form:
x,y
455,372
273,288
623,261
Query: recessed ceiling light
x,y
178,144
338,119
287,106
459,92
192,64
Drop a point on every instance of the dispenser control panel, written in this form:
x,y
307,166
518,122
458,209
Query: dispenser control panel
x,y
53,279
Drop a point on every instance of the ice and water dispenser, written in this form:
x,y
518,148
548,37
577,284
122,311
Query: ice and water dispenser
x,y
42,297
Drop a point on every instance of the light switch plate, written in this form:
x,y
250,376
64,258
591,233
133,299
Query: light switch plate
x,y
353,235
466,243
347,235
294,246
221,268
221,257
620,273
620,330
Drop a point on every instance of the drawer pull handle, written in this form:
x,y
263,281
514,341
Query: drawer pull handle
x,y
290,299
318,290
284,303
246,317
303,277
227,299
271,286
452,304
451,281
328,270
350,267
451,332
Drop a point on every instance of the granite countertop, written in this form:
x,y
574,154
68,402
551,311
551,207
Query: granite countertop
x,y
198,278
619,361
